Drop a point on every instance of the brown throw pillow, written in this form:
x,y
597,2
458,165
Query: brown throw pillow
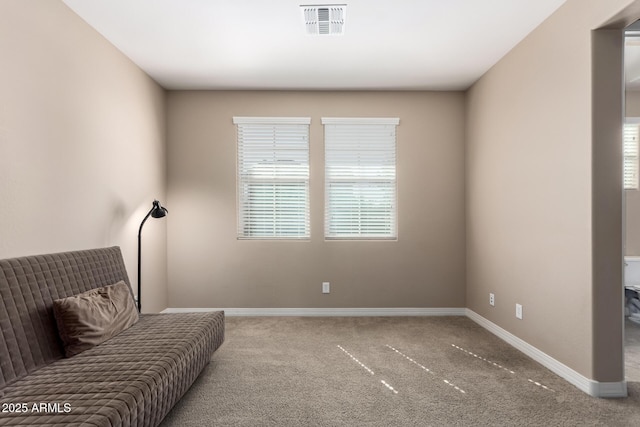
x,y
90,318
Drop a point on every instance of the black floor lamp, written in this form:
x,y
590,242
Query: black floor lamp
x,y
157,211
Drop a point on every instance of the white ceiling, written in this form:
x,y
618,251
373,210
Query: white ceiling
x,y
261,44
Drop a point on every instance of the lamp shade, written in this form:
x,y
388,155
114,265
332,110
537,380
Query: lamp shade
x,y
158,211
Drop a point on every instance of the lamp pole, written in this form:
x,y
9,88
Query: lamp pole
x,y
156,211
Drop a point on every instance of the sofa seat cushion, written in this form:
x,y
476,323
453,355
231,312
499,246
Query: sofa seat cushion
x,y
132,379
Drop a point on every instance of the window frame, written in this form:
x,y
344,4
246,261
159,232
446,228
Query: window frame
x,y
361,183
631,157
244,164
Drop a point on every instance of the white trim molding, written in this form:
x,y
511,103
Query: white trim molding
x,y
360,120
329,312
591,387
272,120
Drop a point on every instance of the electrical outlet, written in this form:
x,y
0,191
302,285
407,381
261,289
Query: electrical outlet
x,y
519,311
492,299
326,287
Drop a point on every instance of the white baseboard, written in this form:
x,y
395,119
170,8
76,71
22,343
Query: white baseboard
x,y
329,312
591,387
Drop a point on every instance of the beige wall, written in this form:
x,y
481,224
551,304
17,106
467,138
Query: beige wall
x,y
82,134
543,224
209,267
632,197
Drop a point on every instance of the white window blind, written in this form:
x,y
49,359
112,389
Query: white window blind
x,y
360,178
630,149
273,177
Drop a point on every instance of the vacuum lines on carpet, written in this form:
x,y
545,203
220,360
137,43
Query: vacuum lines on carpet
x,y
501,367
386,384
449,383
429,371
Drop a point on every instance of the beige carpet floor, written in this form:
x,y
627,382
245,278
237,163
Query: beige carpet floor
x,y
416,371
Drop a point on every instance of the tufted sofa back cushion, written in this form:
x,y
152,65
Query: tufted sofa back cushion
x,y
28,333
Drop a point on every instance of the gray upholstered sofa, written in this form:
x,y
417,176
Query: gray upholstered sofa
x,y
132,379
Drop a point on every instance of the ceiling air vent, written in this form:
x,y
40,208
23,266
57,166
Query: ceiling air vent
x,y
324,19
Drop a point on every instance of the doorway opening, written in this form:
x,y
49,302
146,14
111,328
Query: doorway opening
x,y
631,202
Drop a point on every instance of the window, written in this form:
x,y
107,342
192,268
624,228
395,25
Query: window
x,y
360,178
273,177
630,149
